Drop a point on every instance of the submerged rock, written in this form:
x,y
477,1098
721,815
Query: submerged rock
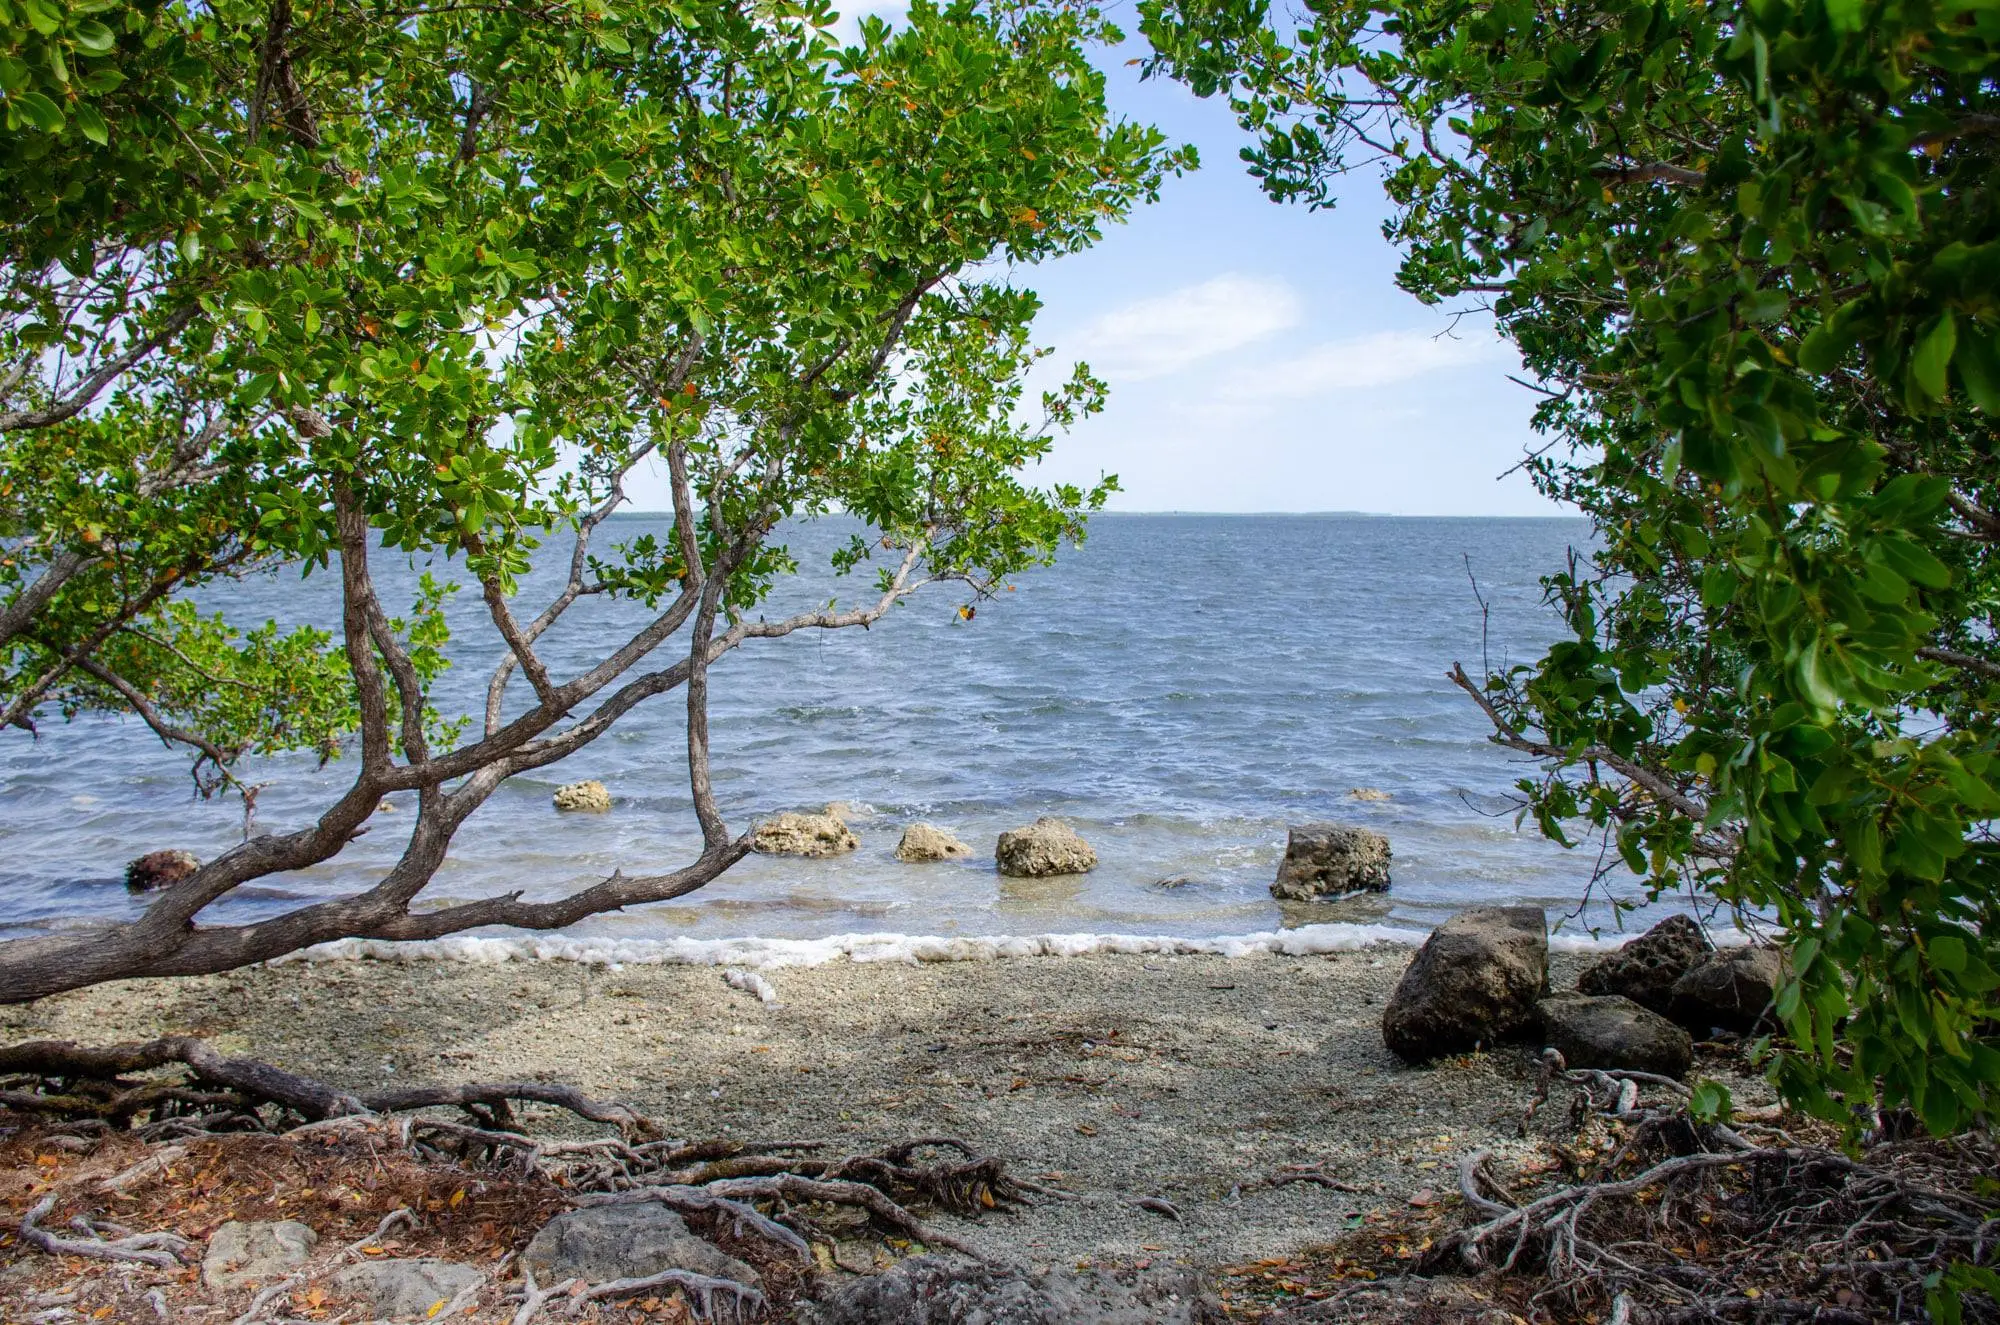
x,y
1046,846
600,1243
793,834
414,1287
1474,983
240,1254
1731,989
1369,794
1331,860
160,869
1645,969
1612,1032
590,797
930,1290
923,843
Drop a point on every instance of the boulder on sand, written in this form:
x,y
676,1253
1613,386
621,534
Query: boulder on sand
x,y
160,869
1475,982
600,1243
934,1290
1046,846
793,834
923,843
417,1286
1331,860
1645,969
1614,1033
590,797
257,1252
1731,989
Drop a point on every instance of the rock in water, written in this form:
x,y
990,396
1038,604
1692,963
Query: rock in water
x,y
590,797
1046,846
1475,982
600,1243
1369,794
160,869
417,1287
240,1254
1731,989
1645,969
930,1290
1331,860
791,834
923,843
1611,1032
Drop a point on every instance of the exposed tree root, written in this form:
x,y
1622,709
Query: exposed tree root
x,y
1680,1222
764,1193
162,1251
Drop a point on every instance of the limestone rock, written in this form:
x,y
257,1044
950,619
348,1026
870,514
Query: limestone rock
x,y
1369,794
1645,969
930,1290
793,834
240,1254
1331,860
924,842
1475,982
160,869
589,796
1046,846
1731,988
600,1243
415,1287
1612,1032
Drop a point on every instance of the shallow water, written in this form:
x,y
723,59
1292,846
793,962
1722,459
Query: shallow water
x,y
1181,689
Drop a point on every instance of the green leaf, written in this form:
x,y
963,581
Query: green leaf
x,y
39,111
93,38
1933,354
90,123
1710,1102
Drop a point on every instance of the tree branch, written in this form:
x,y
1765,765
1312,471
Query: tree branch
x,y
87,390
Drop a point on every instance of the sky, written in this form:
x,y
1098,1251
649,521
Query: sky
x,y
1260,356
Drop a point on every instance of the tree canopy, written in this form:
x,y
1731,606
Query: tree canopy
x,y
1751,254
297,286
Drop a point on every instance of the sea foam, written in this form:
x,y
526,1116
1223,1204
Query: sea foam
x,y
775,953
751,954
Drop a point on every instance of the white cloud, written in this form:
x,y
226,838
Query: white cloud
x,y
1170,332
1382,358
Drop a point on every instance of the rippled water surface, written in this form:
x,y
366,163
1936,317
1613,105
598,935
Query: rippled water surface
x,y
1181,689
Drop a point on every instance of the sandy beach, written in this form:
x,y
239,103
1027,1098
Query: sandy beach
x,y
1193,1079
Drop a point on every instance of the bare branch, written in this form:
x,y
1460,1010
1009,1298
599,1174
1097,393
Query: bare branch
x,y
107,372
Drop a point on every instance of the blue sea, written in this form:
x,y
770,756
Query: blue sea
x,y
1180,689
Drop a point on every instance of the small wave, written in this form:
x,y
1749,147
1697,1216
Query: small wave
x,y
908,949
911,949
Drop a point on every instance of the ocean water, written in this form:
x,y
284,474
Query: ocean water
x,y
1181,689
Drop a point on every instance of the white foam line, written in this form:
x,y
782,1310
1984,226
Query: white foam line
x,y
772,954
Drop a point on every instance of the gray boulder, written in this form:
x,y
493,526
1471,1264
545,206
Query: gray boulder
x,y
931,1290
1612,1032
1731,989
415,1287
1046,846
1645,969
1475,982
1331,860
792,834
160,869
240,1254
600,1243
924,843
